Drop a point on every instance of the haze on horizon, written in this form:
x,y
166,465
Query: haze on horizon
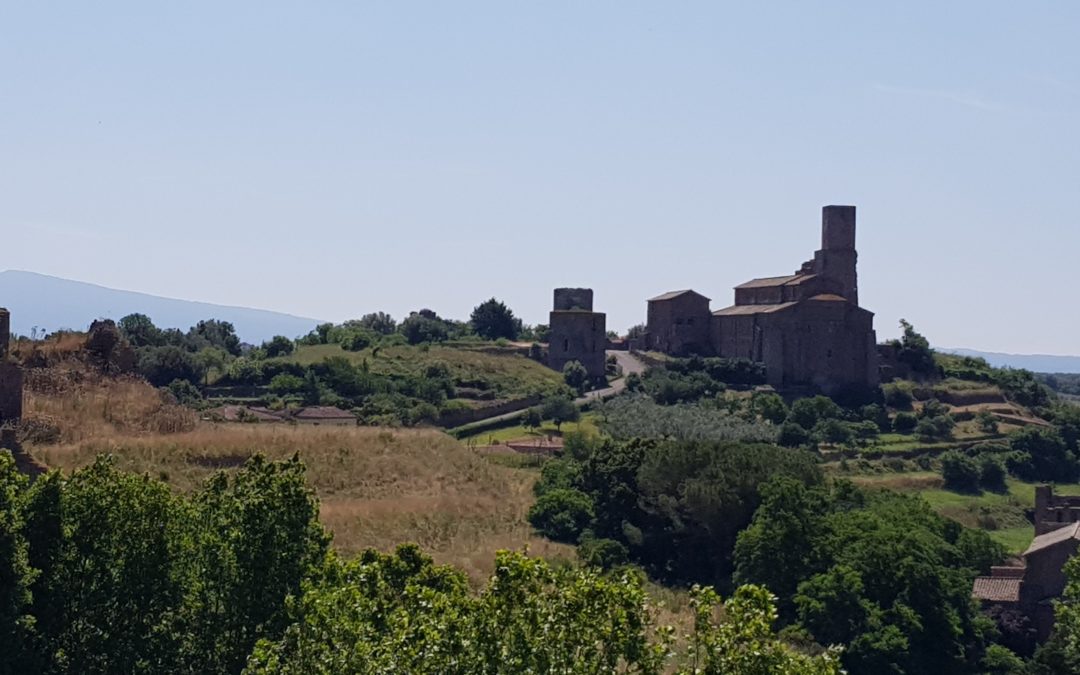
x,y
343,158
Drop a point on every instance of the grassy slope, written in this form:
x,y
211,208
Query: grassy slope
x,y
509,374
378,488
1002,515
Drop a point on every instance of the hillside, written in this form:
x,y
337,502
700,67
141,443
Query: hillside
x,y
1037,363
51,303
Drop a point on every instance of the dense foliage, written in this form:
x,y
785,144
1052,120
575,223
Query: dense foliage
x,y
107,572
112,572
676,506
876,571
629,417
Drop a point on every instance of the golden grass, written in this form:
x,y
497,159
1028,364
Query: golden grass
x,y
72,404
378,488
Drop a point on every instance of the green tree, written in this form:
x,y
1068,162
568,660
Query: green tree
x,y
562,514
559,410
914,351
423,326
16,574
219,334
162,365
278,346
492,320
140,331
960,472
575,376
378,322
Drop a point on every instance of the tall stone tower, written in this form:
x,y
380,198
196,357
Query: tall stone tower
x,y
837,258
577,332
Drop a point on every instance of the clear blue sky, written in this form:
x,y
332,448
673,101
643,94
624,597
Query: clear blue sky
x,y
330,159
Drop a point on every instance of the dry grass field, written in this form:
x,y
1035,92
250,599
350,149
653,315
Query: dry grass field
x,y
378,488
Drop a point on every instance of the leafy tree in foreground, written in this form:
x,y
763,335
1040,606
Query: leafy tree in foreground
x,y
400,613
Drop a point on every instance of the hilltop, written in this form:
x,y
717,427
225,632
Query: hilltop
x,y
51,303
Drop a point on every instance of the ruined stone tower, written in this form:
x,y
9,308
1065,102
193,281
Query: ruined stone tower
x,y
11,377
577,332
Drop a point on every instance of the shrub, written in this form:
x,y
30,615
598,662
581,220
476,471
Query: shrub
x,y
807,412
562,514
898,395
575,376
961,473
278,346
792,435
904,422
602,553
992,473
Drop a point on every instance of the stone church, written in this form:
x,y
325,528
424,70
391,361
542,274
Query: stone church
x,y
806,328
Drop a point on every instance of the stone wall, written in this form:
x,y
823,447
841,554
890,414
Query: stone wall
x,y
679,325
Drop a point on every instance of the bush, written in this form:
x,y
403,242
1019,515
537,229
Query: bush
x,y
898,395
602,553
278,346
992,473
575,376
562,514
792,435
904,422
1041,454
807,412
961,473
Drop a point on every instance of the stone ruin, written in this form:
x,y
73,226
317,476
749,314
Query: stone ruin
x,y
577,332
11,386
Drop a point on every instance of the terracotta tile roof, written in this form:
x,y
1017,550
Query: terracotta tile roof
x,y
829,297
322,412
674,294
1053,538
996,589
766,282
1007,571
746,310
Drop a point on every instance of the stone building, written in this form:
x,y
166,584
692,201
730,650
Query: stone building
x,y
807,327
1053,511
11,378
1030,588
577,332
679,323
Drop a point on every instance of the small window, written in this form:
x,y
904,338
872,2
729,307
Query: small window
x,y
690,321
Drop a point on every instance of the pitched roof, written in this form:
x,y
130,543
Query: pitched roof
x,y
746,310
674,294
322,412
996,589
829,297
1053,538
766,282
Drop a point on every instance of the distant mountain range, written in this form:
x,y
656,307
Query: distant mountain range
x,y
51,303
1039,363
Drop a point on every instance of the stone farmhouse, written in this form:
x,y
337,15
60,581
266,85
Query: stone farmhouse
x,y
807,328
1031,588
577,332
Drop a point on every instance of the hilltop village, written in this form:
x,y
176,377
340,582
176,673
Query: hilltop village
x,y
807,328
915,508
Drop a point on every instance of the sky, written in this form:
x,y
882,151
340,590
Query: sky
x,y
335,158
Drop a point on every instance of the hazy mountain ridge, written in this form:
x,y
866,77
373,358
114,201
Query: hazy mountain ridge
x,y
1039,363
51,303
